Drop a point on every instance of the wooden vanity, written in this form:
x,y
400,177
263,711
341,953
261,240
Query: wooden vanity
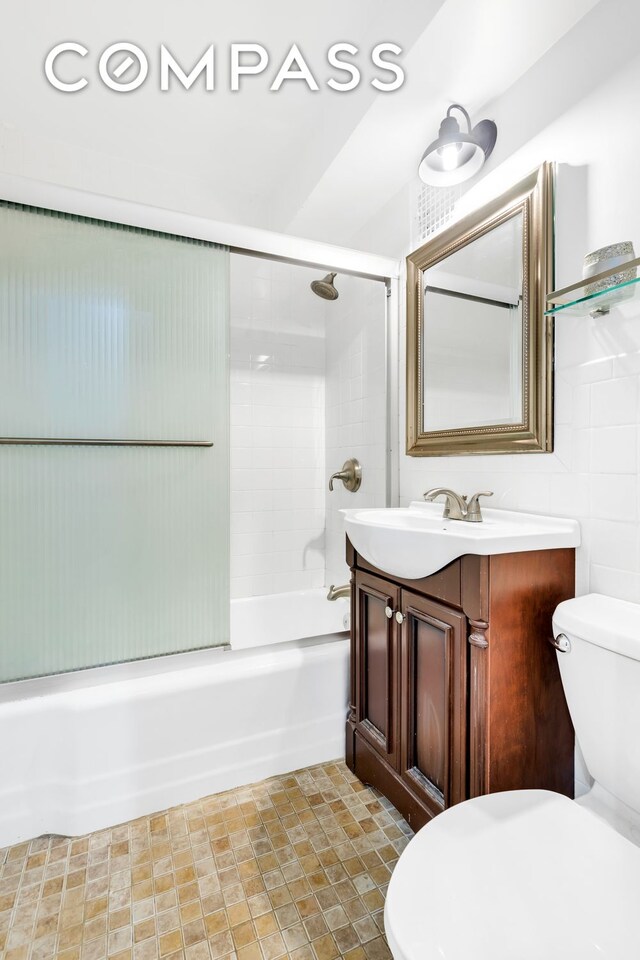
x,y
455,691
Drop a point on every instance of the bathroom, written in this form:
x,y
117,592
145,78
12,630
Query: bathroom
x,y
202,755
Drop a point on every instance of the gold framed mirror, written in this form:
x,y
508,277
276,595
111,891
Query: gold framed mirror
x,y
479,347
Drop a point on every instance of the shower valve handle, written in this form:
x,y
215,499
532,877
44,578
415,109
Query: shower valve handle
x,y
351,475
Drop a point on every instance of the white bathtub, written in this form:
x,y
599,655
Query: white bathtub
x,y
259,621
87,750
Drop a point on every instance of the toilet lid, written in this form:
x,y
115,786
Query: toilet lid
x,y
521,875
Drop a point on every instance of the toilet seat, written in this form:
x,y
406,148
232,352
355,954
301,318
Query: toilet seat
x,y
521,875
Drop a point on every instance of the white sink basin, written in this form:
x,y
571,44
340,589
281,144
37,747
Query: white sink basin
x,y
415,541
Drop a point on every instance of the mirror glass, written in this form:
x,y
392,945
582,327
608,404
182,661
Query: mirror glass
x,y
472,333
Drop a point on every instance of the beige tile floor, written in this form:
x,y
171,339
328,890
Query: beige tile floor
x,y
296,866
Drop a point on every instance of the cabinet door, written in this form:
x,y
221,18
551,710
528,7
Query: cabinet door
x,y
376,632
433,701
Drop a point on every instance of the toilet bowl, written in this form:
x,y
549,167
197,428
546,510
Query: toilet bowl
x,y
530,874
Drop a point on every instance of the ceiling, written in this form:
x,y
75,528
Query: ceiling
x,y
316,164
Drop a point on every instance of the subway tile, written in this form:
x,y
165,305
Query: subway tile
x,y
582,578
581,406
626,364
614,497
241,415
241,392
563,400
569,495
615,582
614,544
581,451
240,457
614,402
614,449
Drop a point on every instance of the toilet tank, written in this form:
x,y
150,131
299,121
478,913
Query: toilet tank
x,y
601,678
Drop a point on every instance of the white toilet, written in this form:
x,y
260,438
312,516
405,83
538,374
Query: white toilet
x,y
530,874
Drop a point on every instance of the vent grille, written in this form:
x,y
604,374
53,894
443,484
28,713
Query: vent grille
x,y
433,208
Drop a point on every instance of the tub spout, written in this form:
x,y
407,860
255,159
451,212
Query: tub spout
x,y
336,593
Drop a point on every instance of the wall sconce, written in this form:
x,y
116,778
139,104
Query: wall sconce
x,y
457,156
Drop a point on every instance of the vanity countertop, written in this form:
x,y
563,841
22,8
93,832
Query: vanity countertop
x,y
416,541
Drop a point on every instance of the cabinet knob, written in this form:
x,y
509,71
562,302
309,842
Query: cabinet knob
x,y
399,617
388,612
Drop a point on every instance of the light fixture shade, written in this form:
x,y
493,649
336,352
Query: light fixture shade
x,y
455,155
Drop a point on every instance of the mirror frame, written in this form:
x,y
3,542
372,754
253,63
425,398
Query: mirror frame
x,y
533,197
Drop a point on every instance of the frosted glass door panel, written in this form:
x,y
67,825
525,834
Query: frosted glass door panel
x,y
105,331
110,554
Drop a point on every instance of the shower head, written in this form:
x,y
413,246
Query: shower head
x,y
324,288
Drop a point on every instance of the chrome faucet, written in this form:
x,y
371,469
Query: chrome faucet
x,y
456,506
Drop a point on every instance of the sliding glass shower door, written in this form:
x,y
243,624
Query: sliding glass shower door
x,y
114,492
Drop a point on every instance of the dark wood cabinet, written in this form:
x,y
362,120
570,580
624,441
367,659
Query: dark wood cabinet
x,y
455,690
377,683
432,701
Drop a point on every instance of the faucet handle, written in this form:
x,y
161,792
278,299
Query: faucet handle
x,y
473,507
351,475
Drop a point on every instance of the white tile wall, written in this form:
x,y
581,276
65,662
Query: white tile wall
x,y
277,429
307,391
355,405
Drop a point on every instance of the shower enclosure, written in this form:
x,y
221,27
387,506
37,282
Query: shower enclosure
x,y
136,359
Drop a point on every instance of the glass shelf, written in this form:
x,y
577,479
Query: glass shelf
x,y
576,301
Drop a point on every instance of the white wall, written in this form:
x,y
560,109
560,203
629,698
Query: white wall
x,y
355,405
277,428
593,473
